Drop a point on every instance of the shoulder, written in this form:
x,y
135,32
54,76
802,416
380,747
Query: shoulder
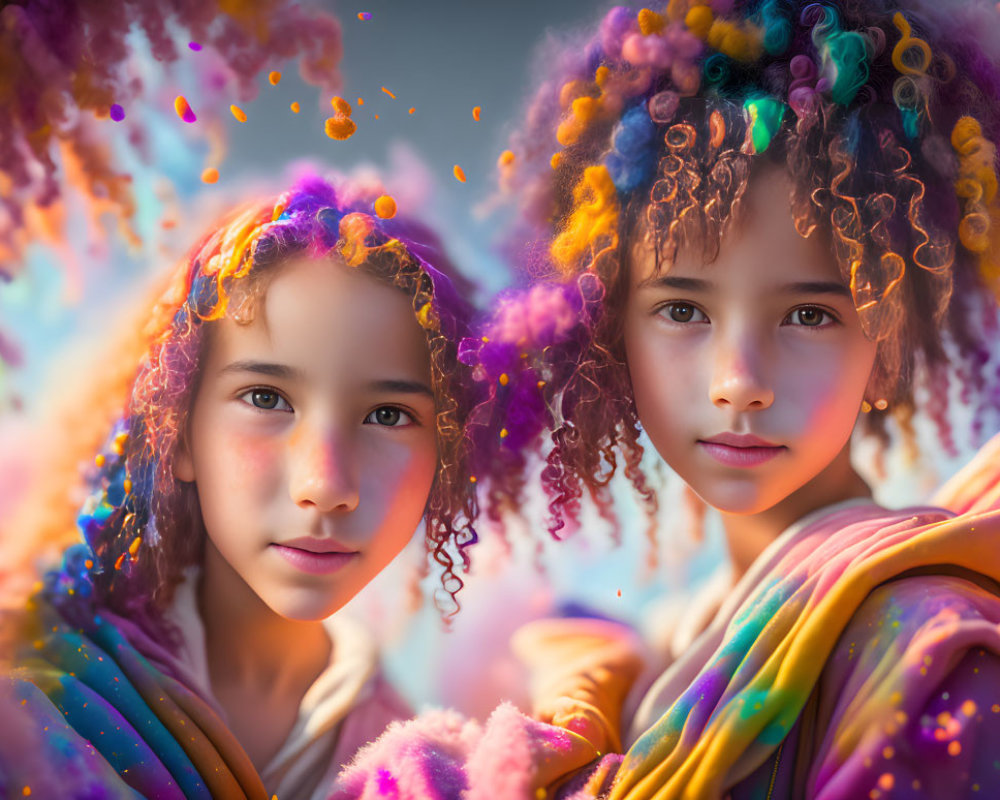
x,y
912,691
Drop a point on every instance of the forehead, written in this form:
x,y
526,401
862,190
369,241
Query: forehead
x,y
759,250
324,317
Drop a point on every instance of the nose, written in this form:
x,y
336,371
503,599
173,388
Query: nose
x,y
323,471
739,378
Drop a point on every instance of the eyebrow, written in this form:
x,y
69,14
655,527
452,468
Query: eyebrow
x,y
401,387
700,285
262,368
285,372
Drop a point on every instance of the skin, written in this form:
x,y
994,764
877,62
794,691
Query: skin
x,y
743,345
314,420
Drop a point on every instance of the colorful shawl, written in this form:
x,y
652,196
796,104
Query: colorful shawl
x,y
824,678
108,707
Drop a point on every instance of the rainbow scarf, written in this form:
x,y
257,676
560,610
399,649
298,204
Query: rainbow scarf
x,y
840,574
109,707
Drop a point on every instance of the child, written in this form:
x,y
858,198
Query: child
x,y
774,220
297,414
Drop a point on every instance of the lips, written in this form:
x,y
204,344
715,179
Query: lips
x,y
315,556
740,449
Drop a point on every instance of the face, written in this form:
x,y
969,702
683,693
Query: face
x,y
748,372
311,438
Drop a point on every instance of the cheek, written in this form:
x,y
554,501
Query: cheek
x,y
667,383
397,481
231,459
825,390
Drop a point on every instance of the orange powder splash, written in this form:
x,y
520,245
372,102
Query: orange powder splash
x,y
385,207
183,109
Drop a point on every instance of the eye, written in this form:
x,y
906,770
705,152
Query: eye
x,y
265,400
810,317
389,417
682,312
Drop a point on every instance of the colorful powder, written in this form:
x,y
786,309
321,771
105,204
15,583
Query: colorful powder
x,y
389,93
413,111
476,111
506,158
385,207
117,112
239,113
340,127
295,107
459,173
364,15
210,175
361,101
194,46
274,77
183,109
341,106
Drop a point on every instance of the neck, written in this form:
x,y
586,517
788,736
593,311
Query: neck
x,y
747,535
249,645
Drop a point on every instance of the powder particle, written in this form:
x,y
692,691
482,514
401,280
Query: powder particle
x,y
459,173
239,113
210,175
274,77
389,93
341,106
295,107
361,101
413,110
364,15
340,127
506,158
183,109
476,111
117,112
194,46
385,207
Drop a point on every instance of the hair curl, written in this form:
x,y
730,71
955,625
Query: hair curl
x,y
656,122
141,525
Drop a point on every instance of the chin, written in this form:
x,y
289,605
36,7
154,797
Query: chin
x,y
743,501
306,609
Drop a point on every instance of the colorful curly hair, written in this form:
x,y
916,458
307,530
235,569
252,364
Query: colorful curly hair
x,y
142,526
653,125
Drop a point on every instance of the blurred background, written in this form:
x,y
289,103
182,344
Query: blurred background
x,y
75,270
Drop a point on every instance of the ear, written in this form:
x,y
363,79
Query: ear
x,y
183,466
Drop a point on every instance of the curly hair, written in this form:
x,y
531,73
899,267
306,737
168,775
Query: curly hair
x,y
654,124
141,525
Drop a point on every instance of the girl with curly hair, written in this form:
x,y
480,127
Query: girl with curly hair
x,y
766,225
296,415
